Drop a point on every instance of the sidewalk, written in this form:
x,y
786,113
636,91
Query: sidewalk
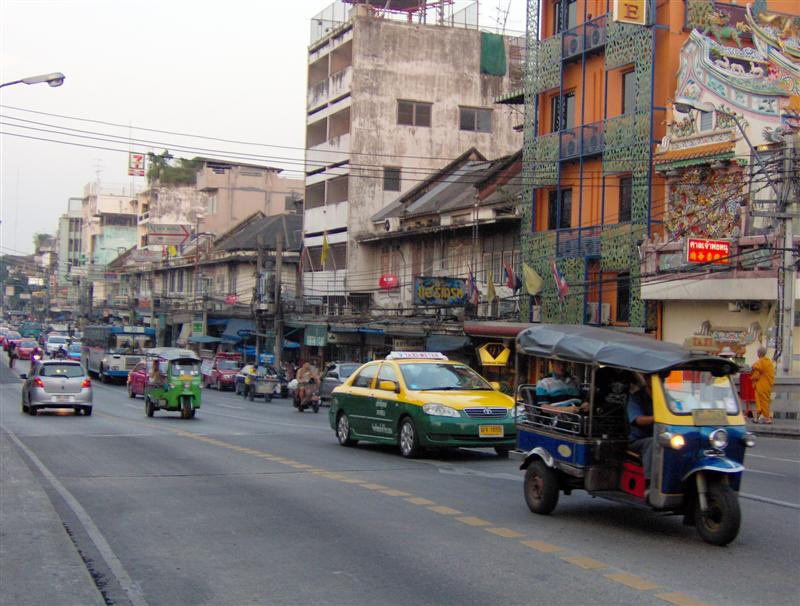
x,y
39,564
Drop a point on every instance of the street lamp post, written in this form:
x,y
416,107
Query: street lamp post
x,y
54,79
785,208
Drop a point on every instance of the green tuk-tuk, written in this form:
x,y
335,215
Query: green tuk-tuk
x,y
174,381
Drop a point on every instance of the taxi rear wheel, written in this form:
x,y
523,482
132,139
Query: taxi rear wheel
x,y
409,439
541,488
343,431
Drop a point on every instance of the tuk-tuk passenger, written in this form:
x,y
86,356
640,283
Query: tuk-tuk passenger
x,y
156,379
559,392
640,418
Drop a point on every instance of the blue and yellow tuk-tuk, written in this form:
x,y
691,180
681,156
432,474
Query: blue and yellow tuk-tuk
x,y
178,383
698,430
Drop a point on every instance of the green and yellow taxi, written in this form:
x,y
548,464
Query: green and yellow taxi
x,y
421,400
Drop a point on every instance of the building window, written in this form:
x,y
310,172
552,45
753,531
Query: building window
x,y
706,120
212,205
623,297
625,197
629,92
180,280
391,178
414,113
565,15
559,212
475,119
555,114
562,112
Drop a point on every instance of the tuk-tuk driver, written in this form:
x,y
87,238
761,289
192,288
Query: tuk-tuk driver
x,y
559,391
640,419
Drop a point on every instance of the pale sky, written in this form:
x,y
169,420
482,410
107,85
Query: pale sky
x,y
234,70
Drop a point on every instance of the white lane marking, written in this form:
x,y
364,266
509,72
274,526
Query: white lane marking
x,y
755,456
766,473
130,588
266,420
448,469
229,406
755,497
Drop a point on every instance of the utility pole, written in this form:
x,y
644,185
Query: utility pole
x,y
259,295
278,305
788,207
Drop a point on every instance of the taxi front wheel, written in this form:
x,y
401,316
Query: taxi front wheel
x,y
343,431
409,439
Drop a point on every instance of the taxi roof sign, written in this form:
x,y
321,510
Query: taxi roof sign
x,y
416,355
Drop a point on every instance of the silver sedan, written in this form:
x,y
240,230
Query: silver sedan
x,y
57,384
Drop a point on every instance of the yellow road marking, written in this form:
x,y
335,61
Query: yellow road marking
x,y
585,563
632,581
680,599
542,546
374,487
504,532
395,493
447,511
473,521
352,480
303,466
420,501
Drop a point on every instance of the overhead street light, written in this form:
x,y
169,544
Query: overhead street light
x,y
54,79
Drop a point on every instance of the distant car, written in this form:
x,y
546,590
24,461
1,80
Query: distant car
x,y
74,352
57,384
137,380
11,335
221,372
25,348
54,342
335,376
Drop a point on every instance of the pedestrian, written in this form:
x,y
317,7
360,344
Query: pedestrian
x,y
763,378
11,353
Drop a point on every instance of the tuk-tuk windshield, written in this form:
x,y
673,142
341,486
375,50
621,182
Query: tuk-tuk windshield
x,y
185,367
688,390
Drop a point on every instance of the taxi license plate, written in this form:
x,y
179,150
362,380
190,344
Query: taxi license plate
x,y
490,431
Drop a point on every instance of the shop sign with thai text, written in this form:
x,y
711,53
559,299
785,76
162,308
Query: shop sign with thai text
x,y
440,291
708,251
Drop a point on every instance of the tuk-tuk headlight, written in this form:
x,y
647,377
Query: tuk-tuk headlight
x,y
718,438
670,440
749,439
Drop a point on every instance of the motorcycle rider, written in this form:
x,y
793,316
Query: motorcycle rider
x,y
305,376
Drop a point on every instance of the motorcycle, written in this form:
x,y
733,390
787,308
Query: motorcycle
x,y
309,399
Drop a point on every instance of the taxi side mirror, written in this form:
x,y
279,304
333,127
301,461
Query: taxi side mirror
x,y
389,386
495,385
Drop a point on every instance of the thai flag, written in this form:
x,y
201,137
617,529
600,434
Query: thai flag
x,y
509,275
472,288
561,281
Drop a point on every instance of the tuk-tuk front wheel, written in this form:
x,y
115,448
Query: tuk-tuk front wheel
x,y
720,524
149,407
541,488
187,409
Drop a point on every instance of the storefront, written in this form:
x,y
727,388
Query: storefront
x,y
495,351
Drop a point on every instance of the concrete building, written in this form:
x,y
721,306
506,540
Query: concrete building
x,y
389,103
69,245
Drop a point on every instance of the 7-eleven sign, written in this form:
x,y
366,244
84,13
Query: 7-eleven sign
x,y
717,252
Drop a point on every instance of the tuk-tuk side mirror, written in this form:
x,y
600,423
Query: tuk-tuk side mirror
x,y
495,385
389,386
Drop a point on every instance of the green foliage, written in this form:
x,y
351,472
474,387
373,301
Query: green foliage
x,y
166,170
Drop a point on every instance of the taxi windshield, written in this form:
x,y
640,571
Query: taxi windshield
x,y
185,368
688,390
436,377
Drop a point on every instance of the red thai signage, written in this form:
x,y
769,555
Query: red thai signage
x,y
231,299
708,251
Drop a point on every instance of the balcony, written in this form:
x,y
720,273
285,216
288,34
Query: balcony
x,y
578,242
321,218
332,151
340,82
587,37
581,141
317,94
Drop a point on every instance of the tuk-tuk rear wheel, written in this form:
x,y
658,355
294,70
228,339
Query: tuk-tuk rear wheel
x,y
720,524
541,488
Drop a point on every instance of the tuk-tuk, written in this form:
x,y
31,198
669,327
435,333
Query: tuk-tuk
x,y
178,385
699,435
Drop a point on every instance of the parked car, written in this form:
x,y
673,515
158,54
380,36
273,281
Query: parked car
x,y
25,348
57,384
335,376
137,380
54,342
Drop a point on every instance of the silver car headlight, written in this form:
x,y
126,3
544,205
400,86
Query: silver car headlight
x,y
440,410
718,438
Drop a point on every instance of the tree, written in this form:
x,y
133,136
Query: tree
x,y
165,169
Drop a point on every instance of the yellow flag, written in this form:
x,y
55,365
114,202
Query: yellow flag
x,y
324,256
490,294
173,252
531,280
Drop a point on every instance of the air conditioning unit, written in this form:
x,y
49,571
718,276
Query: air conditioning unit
x,y
574,47
572,148
592,144
592,317
596,37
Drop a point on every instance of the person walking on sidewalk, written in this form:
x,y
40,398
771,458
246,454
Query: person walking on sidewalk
x,y
763,380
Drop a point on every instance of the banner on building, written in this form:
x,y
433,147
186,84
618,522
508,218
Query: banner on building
x,y
630,11
136,163
450,292
717,252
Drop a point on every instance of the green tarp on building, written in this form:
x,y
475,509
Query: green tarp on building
x,y
493,54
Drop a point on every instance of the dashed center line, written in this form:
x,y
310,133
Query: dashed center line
x,y
632,581
585,563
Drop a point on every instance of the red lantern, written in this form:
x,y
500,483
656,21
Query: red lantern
x,y
388,281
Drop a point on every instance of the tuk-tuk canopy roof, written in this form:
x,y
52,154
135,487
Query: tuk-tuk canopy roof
x,y
607,347
173,353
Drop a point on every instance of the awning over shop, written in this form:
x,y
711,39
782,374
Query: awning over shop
x,y
291,345
501,330
204,339
234,326
442,343
316,335
217,321
405,331
344,329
